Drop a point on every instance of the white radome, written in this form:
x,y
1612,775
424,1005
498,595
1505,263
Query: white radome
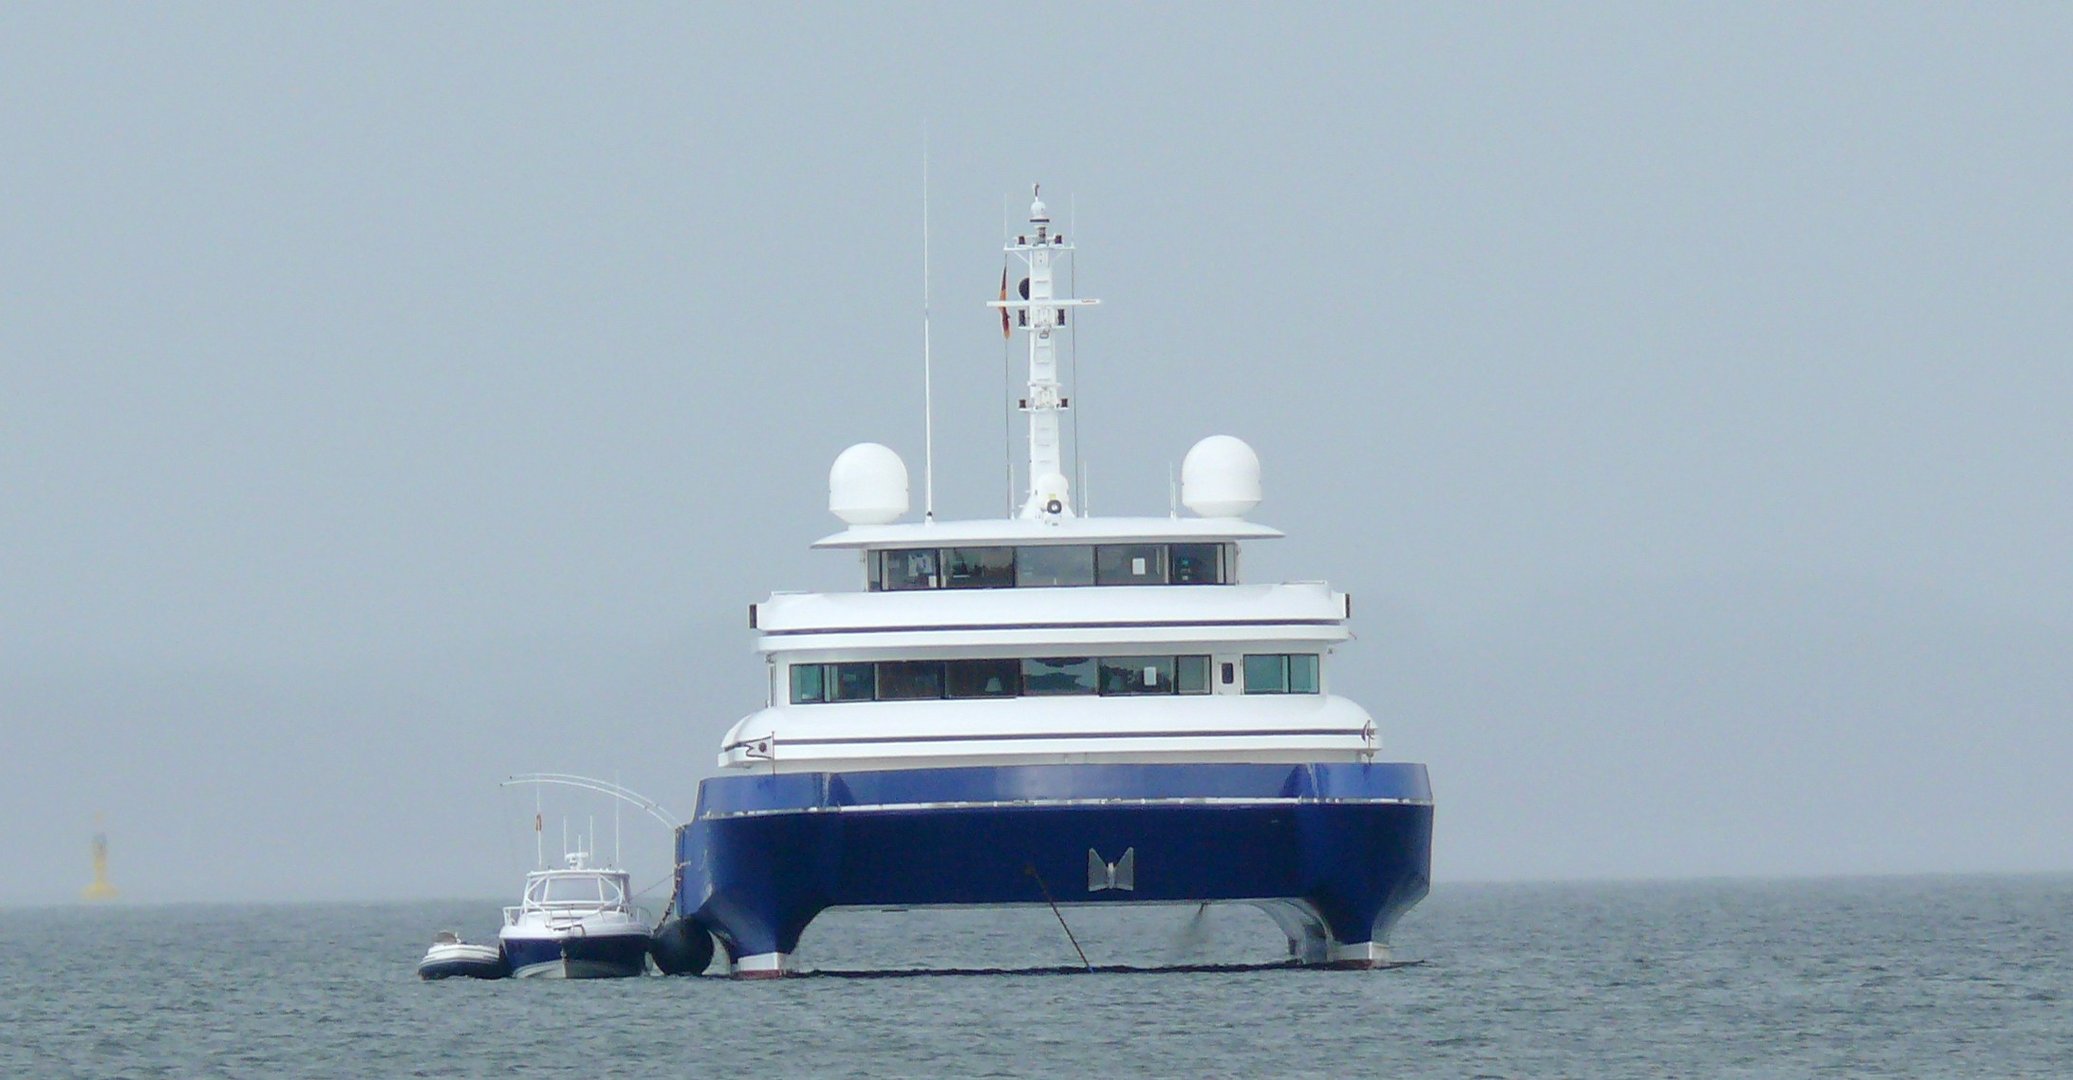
x,y
1052,488
1220,477
867,485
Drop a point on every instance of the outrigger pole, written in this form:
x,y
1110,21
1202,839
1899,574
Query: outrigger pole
x,y
603,787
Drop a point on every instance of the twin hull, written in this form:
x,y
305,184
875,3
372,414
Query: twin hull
x,y
1336,852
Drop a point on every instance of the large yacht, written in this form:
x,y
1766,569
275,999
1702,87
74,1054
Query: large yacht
x,y
1053,708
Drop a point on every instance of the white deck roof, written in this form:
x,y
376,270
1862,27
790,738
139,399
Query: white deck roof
x,y
909,734
1311,602
1003,531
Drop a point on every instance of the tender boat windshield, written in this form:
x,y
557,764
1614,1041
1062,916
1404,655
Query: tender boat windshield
x,y
576,889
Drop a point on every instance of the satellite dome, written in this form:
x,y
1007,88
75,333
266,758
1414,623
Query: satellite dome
x,y
1053,495
1220,477
868,485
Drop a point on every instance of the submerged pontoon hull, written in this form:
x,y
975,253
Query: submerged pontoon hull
x,y
1336,852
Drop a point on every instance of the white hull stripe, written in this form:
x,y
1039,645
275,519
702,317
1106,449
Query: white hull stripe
x,y
1060,625
1033,736
894,808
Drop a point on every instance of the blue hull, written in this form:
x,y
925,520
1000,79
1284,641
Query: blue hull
x,y
607,956
1335,852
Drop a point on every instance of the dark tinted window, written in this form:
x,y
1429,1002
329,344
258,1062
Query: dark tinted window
x,y
978,568
914,569
1197,564
1058,675
912,680
984,678
852,682
1069,564
1137,674
904,680
1130,564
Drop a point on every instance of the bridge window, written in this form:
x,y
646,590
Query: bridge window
x,y
1049,566
1130,564
1054,565
1198,564
978,568
1281,673
913,568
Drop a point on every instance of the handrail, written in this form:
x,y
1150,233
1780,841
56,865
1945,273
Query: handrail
x,y
605,787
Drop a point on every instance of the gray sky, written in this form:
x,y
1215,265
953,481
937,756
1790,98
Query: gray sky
x,y
399,397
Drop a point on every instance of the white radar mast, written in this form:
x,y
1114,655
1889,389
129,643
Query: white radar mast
x,y
1035,308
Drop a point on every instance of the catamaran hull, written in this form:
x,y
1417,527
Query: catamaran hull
x,y
597,956
1336,852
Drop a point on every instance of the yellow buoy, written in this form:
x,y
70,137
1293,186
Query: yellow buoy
x,y
99,889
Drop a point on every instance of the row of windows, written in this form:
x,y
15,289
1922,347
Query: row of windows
x,y
1048,565
1281,673
915,680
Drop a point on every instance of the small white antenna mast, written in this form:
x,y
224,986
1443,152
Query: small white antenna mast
x,y
1072,358
928,403
539,833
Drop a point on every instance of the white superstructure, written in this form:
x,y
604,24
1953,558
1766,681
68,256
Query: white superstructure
x,y
1049,637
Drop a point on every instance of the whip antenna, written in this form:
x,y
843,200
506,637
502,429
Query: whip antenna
x,y
928,403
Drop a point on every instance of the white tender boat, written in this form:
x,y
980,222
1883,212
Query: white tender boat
x,y
451,958
576,922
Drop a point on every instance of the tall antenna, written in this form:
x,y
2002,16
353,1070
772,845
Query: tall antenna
x,y
1072,357
928,403
1040,313
539,833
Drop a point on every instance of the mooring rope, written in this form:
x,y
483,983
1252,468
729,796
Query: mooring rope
x,y
1031,870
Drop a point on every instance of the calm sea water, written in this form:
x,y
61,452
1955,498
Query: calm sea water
x,y
1858,978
